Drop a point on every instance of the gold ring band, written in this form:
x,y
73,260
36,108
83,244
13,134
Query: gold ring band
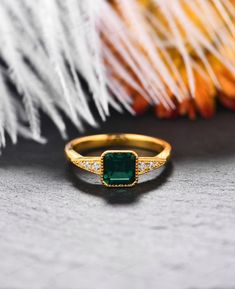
x,y
118,168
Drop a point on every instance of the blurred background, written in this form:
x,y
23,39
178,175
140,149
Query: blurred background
x,y
74,68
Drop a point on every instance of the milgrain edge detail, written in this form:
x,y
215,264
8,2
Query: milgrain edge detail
x,y
136,168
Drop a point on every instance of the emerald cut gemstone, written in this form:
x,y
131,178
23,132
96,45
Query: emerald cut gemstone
x,y
119,168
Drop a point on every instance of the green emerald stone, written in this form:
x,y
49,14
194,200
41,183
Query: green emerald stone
x,y
119,168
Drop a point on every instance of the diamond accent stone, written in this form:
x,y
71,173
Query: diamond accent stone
x,y
87,166
142,167
151,165
96,166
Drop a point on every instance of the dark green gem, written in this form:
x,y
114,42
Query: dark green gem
x,y
119,168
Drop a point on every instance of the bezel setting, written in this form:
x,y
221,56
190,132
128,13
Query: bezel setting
x,y
114,152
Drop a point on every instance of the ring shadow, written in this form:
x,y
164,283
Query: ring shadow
x,y
118,196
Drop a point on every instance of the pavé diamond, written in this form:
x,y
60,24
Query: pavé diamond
x,y
151,165
87,165
142,167
96,166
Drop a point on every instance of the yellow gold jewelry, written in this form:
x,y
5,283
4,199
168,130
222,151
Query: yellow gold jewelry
x,y
118,168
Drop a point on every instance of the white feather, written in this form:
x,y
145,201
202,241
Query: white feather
x,y
48,47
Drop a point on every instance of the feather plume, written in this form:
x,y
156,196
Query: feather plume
x,y
179,53
130,53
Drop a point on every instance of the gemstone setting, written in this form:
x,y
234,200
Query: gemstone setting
x,y
119,168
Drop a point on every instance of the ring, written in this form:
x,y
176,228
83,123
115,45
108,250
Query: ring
x,y
118,168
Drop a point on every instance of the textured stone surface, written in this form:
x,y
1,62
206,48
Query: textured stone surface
x,y
58,230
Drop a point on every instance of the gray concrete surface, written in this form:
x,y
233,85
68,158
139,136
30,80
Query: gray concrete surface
x,y
61,229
